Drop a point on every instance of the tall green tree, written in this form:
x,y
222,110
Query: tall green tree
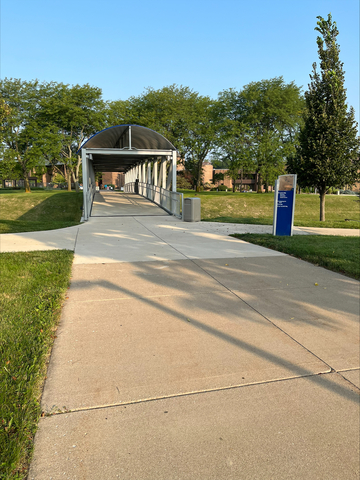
x,y
271,111
233,149
25,139
200,137
75,112
183,116
329,148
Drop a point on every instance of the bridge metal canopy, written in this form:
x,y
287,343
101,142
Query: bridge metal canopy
x,y
130,149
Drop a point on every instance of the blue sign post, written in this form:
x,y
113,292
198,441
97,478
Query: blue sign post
x,y
284,205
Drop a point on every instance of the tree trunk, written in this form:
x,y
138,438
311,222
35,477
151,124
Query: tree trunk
x,y
322,205
69,180
233,186
26,179
27,184
76,173
76,183
259,183
198,180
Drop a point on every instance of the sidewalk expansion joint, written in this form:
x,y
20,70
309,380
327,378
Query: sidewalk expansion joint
x,y
241,299
162,240
183,394
76,238
267,319
340,372
343,370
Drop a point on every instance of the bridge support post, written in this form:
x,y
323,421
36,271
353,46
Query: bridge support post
x,y
148,176
162,177
85,183
169,178
174,165
143,175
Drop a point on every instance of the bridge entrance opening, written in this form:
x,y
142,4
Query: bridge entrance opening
x,y
147,159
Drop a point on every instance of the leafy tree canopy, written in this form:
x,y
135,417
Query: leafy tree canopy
x,y
24,137
183,116
265,115
165,110
76,112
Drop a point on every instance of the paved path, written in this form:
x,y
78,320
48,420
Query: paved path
x,y
185,354
116,229
115,204
119,217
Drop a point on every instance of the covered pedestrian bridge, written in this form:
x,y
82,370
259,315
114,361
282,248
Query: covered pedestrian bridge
x,y
147,159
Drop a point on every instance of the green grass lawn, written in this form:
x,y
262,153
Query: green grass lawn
x,y
32,290
256,208
38,210
340,254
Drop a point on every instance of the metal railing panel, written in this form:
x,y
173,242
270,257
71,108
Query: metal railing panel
x,y
168,200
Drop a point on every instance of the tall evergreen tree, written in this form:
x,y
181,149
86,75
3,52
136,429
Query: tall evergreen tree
x,y
328,151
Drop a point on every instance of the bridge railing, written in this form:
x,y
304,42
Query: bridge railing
x,y
172,202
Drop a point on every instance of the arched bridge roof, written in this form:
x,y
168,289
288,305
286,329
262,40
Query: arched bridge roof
x,y
118,137
118,148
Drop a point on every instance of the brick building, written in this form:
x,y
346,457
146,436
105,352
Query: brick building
x,y
244,182
112,178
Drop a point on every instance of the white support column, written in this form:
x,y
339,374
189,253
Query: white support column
x,y
160,174
156,193
143,173
162,178
92,175
148,179
169,179
174,165
155,174
85,183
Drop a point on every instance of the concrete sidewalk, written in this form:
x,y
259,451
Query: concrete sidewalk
x,y
183,353
116,229
202,358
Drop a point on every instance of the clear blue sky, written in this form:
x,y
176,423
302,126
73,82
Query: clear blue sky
x,y
124,46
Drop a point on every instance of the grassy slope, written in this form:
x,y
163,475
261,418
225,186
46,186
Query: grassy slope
x,y
32,289
340,254
255,208
38,210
